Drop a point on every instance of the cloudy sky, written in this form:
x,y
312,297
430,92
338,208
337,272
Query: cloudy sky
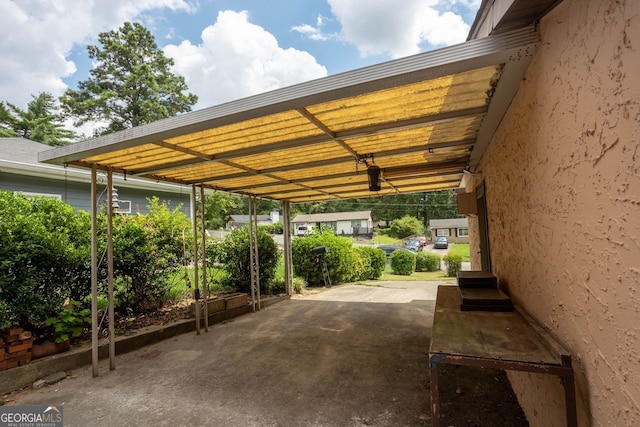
x,y
225,49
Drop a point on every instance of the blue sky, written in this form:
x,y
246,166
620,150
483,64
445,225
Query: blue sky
x,y
225,49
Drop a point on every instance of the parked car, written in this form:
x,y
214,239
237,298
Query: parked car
x,y
388,249
422,240
413,245
441,243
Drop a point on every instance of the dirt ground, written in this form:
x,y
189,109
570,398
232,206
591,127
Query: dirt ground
x,y
350,356
477,397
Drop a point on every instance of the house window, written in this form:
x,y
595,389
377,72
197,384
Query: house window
x,y
124,207
463,232
48,196
442,232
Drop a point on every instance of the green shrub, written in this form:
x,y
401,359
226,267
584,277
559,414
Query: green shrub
x,y
298,284
374,262
44,259
343,262
403,262
427,261
69,322
405,227
278,286
453,263
276,228
148,250
234,255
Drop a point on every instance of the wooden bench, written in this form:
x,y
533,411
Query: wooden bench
x,y
501,340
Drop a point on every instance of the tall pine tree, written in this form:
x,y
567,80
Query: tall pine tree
x,y
40,122
130,85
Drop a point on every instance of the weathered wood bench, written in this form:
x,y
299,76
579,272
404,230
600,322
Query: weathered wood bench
x,y
501,340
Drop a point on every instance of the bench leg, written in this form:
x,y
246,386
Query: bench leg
x,y
435,398
570,400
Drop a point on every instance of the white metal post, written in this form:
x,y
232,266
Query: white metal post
x,y
252,256
203,257
94,270
286,234
196,291
256,247
112,333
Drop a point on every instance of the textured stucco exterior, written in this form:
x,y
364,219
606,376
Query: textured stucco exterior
x,y
562,180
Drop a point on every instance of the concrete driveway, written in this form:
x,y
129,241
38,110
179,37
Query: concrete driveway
x,y
350,356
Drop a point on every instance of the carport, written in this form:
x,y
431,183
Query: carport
x,y
410,125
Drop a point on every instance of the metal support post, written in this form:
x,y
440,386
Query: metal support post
x,y
253,253
288,270
256,251
196,292
203,257
94,270
112,332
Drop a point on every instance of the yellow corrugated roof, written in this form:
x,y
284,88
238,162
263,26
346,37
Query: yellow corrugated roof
x,y
419,119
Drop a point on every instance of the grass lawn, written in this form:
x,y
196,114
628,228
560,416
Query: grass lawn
x,y
461,249
386,240
178,282
417,276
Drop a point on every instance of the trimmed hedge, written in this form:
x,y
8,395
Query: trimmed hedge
x,y
453,263
45,248
44,259
403,262
427,261
374,260
343,262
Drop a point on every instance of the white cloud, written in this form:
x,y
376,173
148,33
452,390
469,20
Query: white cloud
x,y
237,59
315,33
398,28
38,37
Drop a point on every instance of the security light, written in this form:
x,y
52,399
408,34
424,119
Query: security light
x,y
373,173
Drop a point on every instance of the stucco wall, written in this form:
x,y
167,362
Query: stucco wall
x,y
562,177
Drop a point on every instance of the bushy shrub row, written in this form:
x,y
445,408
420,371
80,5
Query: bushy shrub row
x,y
345,263
427,261
233,255
45,258
147,250
276,228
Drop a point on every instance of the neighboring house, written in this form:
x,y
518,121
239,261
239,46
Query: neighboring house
x,y
456,230
343,223
21,172
237,221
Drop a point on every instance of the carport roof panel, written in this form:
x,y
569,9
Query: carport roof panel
x,y
419,116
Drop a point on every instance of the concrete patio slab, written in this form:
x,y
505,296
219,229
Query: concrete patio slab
x,y
354,355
